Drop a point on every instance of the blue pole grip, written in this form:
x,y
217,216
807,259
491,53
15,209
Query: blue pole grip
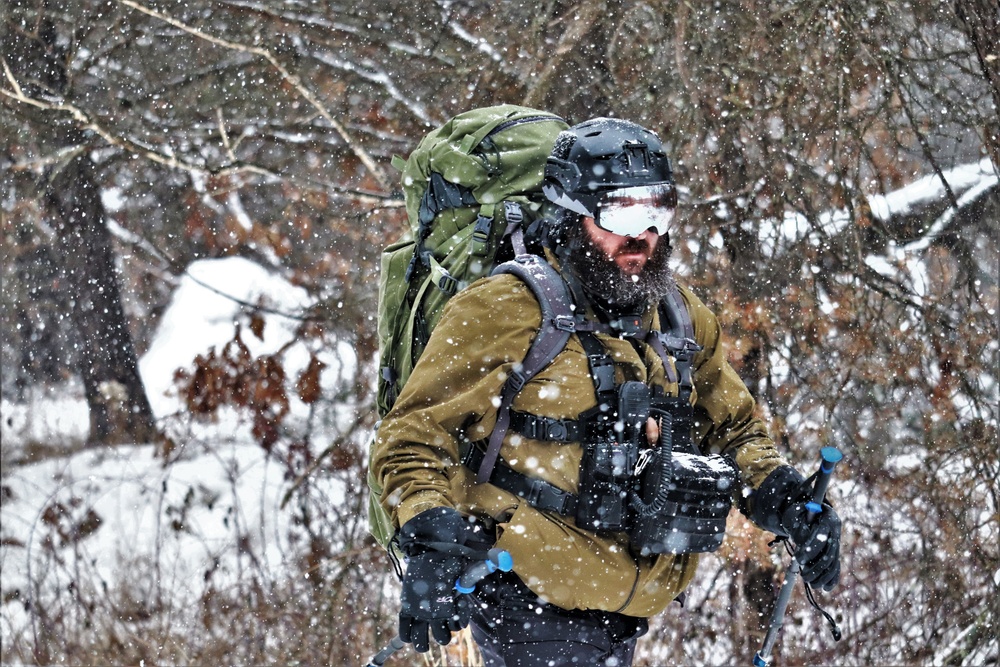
x,y
830,456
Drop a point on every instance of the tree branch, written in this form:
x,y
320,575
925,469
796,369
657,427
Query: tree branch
x,y
292,79
584,17
86,123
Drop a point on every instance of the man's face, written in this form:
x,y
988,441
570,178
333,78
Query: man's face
x,y
630,254
621,271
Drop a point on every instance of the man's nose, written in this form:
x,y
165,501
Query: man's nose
x,y
650,235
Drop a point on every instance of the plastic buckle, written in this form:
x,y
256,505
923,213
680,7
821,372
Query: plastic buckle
x,y
564,323
534,494
690,346
481,233
516,380
447,284
566,506
555,430
604,373
513,213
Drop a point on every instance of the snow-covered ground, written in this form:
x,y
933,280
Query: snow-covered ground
x,y
109,515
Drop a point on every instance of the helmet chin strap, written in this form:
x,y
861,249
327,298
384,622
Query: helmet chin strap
x,y
563,250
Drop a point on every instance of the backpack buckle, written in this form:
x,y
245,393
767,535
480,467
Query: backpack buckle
x,y
564,323
447,284
516,380
481,235
513,213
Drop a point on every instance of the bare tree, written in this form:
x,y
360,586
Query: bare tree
x,y
35,64
982,26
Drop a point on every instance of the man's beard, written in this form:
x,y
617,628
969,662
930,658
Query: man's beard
x,y
606,283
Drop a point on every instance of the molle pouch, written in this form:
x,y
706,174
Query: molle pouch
x,y
633,411
605,478
608,464
679,414
681,502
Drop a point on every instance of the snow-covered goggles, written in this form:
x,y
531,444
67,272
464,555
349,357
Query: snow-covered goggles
x,y
631,211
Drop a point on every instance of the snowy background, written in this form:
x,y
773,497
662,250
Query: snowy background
x,y
175,524
199,191
170,525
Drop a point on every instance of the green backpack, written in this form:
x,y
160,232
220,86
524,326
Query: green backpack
x,y
468,186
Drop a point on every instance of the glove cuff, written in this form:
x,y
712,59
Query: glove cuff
x,y
779,490
442,525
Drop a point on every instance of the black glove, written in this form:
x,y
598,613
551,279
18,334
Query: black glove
x,y
432,542
779,505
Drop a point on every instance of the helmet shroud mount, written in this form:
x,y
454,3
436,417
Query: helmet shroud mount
x,y
603,155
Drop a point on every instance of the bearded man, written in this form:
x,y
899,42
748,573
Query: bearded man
x,y
624,454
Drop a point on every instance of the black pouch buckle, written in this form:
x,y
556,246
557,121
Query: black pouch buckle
x,y
603,370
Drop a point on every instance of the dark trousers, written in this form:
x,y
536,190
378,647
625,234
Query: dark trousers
x,y
513,628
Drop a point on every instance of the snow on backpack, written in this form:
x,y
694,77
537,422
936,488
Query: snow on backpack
x,y
469,185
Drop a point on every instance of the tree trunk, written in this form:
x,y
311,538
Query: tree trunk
x,y
119,409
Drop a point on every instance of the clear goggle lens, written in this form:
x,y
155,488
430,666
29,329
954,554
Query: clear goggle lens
x,y
631,211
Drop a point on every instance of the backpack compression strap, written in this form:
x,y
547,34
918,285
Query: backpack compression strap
x,y
558,324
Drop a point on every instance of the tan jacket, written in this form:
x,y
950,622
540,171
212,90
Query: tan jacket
x,y
451,397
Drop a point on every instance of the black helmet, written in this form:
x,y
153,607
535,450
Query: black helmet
x,y
591,160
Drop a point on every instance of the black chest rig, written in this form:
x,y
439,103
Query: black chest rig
x,y
667,497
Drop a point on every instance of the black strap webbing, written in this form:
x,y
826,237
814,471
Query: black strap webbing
x,y
540,494
676,340
558,324
547,429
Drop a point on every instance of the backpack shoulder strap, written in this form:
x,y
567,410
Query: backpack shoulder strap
x,y
558,323
677,339
678,317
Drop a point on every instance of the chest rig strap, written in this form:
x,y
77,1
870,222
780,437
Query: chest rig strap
x,y
537,492
602,370
591,424
557,325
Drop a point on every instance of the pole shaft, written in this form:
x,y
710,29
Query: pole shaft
x,y
830,456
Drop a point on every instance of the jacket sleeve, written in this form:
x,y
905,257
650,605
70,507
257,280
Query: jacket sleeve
x,y
724,409
483,331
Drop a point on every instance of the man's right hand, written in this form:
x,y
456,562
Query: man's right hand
x,y
429,603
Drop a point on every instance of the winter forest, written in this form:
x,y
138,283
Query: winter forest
x,y
194,196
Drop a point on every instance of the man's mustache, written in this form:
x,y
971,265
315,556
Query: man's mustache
x,y
633,245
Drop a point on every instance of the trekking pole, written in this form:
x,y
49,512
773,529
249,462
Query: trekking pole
x,y
496,559
830,456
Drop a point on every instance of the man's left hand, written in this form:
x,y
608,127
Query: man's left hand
x,y
817,542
